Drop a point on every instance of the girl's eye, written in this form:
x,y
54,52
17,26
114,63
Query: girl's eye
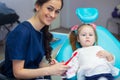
x,y
90,34
83,34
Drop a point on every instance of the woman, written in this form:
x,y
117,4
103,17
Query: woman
x,y
29,42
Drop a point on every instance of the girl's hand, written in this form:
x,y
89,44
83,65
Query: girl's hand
x,y
59,68
105,54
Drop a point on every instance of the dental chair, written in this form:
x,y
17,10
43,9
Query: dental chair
x,y
105,38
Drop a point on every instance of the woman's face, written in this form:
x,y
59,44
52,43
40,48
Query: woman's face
x,y
86,36
48,11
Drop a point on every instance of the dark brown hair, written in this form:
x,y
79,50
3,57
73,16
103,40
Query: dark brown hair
x,y
41,2
47,39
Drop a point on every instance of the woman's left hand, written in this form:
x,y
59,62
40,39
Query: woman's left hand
x,y
105,54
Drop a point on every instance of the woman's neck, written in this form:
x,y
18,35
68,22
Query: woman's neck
x,y
35,23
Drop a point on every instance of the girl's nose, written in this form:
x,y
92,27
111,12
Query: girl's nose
x,y
87,36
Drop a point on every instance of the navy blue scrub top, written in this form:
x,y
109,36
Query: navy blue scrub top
x,y
23,43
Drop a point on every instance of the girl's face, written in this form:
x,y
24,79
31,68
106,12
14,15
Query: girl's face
x,y
48,11
86,36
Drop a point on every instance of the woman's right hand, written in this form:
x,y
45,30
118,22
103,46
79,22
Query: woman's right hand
x,y
53,61
59,68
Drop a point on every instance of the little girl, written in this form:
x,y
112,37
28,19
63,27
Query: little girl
x,y
88,64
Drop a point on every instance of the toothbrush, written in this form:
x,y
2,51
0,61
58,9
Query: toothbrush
x,y
71,58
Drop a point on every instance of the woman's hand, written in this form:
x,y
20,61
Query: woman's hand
x,y
59,68
105,54
53,61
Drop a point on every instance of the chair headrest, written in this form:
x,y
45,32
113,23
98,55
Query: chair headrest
x,y
87,15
